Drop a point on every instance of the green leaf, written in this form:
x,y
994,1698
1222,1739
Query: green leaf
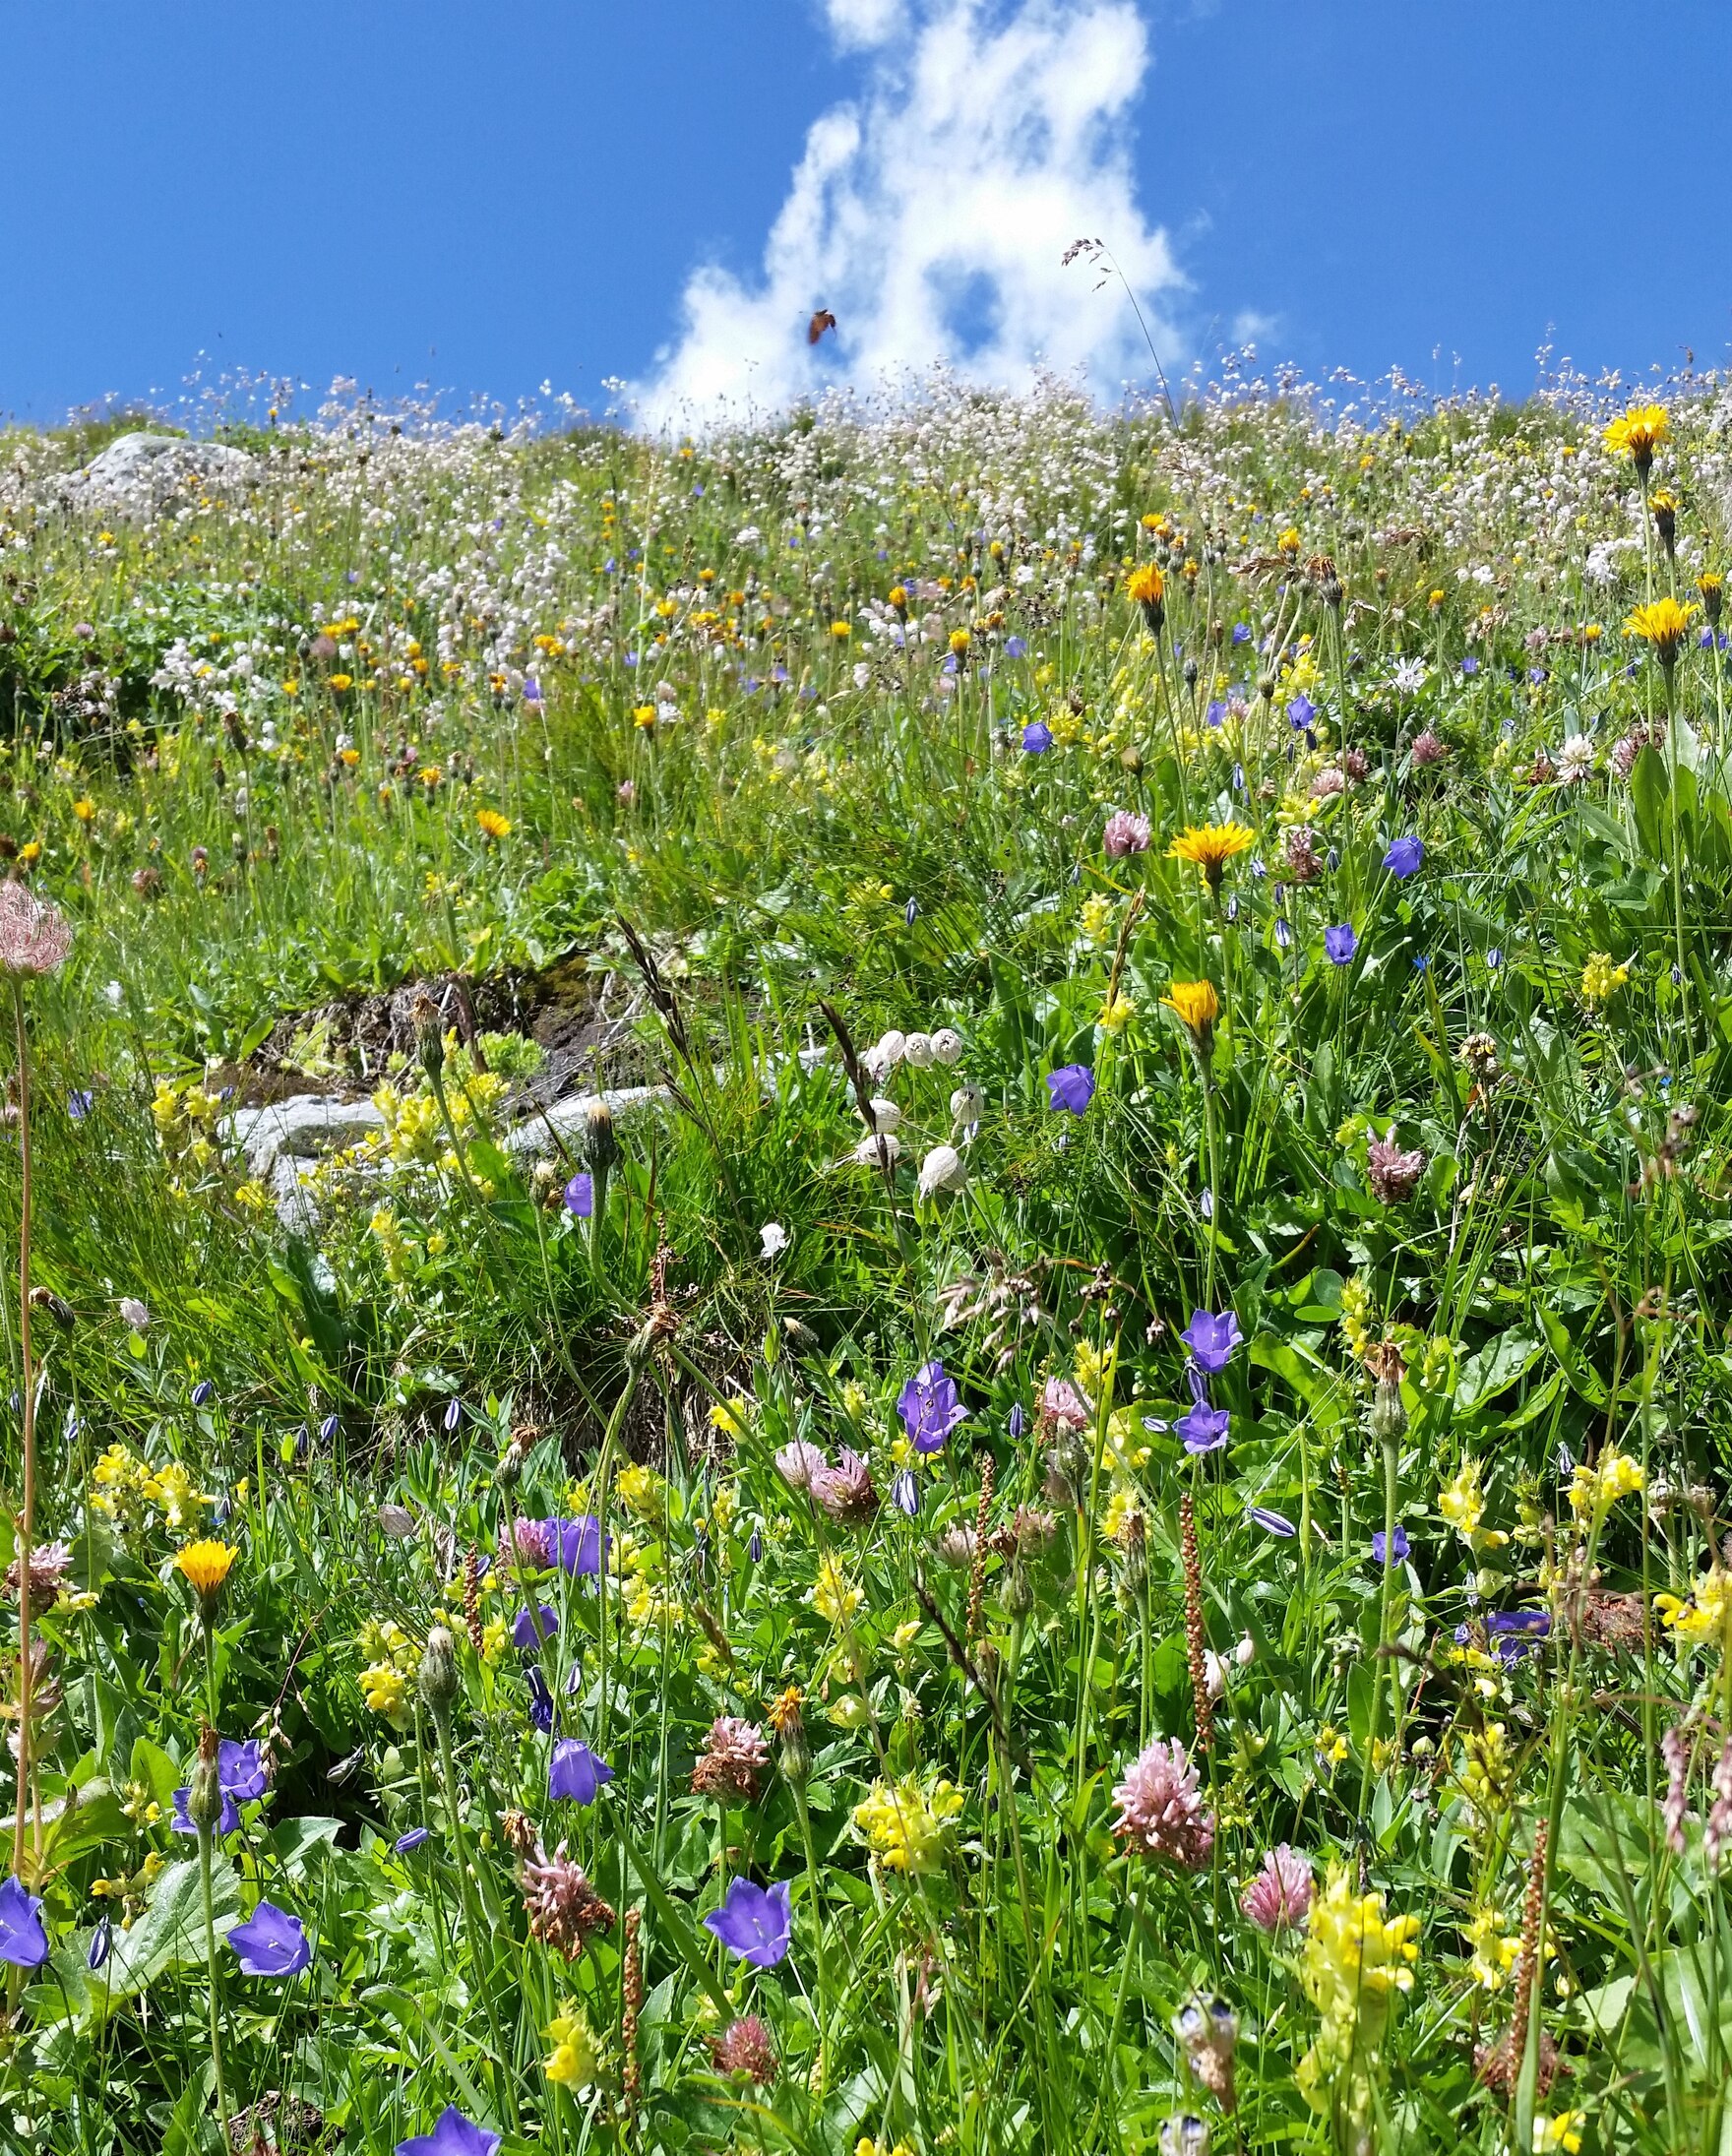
x,y
1649,792
677,1926
1495,1367
171,1932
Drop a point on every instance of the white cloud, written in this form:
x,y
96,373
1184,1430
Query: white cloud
x,y
931,216
864,22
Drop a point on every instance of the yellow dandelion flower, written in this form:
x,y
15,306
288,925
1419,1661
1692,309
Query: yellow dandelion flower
x,y
1149,587
85,809
1662,626
1197,1005
1211,846
206,1566
1637,434
493,825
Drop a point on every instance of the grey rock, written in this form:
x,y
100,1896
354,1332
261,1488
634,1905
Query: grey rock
x,y
140,474
304,1128
532,1140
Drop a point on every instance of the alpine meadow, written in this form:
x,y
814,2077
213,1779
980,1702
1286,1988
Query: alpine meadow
x,y
874,1276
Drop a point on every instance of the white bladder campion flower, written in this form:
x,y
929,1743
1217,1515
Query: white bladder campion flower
x,y
774,1238
942,1170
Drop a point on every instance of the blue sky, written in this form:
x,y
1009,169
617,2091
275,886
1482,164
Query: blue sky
x,y
495,196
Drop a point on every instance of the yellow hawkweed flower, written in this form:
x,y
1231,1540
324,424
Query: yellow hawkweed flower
x,y
1637,434
1595,1489
1211,846
1600,978
493,825
841,630
85,809
206,1566
1662,626
1147,585
961,639
1197,1004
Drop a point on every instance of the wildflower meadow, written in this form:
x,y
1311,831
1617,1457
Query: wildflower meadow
x,y
868,1277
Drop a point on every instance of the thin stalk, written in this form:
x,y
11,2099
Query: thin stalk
x,y
211,2014
28,1515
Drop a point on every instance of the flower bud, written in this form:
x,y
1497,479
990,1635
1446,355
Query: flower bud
x,y
597,1146
1389,1417
429,1037
438,1677
204,1797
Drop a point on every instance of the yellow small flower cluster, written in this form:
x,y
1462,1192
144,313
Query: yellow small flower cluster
x,y
908,1829
1357,1312
1355,1960
1708,1615
1461,1502
122,1485
1486,1771
835,1598
1600,978
185,1117
390,1659
1594,1490
1493,1949
575,2060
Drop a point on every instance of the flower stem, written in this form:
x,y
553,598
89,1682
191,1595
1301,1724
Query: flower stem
x,y
471,1920
28,1515
213,2015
